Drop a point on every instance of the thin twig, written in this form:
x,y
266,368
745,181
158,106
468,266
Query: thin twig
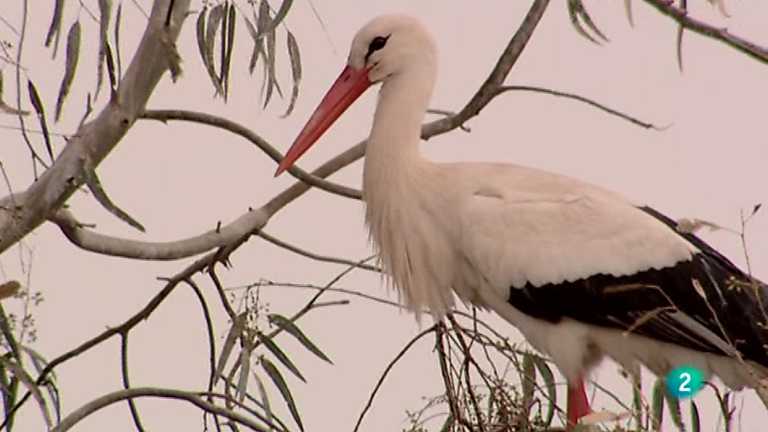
x,y
389,367
305,253
579,98
682,17
126,382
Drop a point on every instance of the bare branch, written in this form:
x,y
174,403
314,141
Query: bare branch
x,y
94,140
161,251
235,128
680,15
297,250
587,101
195,399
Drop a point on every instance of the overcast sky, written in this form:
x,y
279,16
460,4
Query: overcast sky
x,y
179,180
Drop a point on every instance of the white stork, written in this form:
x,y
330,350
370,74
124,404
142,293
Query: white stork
x,y
579,270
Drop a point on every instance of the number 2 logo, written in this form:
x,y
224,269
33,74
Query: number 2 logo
x,y
685,381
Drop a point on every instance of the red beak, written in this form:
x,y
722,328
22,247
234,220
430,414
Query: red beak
x,y
347,88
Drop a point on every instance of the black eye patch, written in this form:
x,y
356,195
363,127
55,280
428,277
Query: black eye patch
x,y
376,44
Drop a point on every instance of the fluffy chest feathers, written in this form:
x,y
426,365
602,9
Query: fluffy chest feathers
x,y
408,222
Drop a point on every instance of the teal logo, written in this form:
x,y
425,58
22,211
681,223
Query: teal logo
x,y
685,381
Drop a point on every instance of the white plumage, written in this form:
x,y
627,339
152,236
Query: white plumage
x,y
520,241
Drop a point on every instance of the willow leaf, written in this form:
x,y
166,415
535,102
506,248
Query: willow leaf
x,y
282,386
264,400
295,56
695,420
245,370
549,382
73,56
280,355
657,404
279,17
94,185
238,325
34,97
214,21
29,383
55,28
118,19
291,328
4,107
105,12
227,60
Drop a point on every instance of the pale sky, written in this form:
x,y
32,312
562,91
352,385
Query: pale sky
x,y
179,180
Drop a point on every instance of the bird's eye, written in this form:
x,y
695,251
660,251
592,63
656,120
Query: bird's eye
x,y
376,44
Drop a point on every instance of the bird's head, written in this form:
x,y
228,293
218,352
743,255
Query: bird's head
x,y
387,46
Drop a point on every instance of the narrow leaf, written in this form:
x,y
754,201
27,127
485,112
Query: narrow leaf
x,y
295,56
279,17
34,97
528,382
245,370
118,20
628,10
579,15
214,21
238,325
94,184
29,383
637,398
226,65
675,414
695,420
5,107
105,12
55,27
73,55
657,405
280,355
264,400
281,385
39,362
258,44
756,209
549,381
291,328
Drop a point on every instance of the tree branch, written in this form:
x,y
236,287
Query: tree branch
x,y
680,15
94,140
238,129
195,399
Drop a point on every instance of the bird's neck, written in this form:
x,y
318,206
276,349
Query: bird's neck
x,y
393,146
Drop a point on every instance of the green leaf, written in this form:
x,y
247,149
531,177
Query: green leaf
x,y
105,12
695,420
227,52
264,400
673,404
238,325
279,17
118,20
295,56
5,107
94,185
281,385
55,28
579,15
628,10
528,383
70,68
657,404
39,362
291,328
637,398
245,370
549,381
29,383
280,355
214,20
34,97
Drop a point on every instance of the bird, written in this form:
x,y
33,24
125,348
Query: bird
x,y
582,272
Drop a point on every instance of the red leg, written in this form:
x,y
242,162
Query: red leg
x,y
578,404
